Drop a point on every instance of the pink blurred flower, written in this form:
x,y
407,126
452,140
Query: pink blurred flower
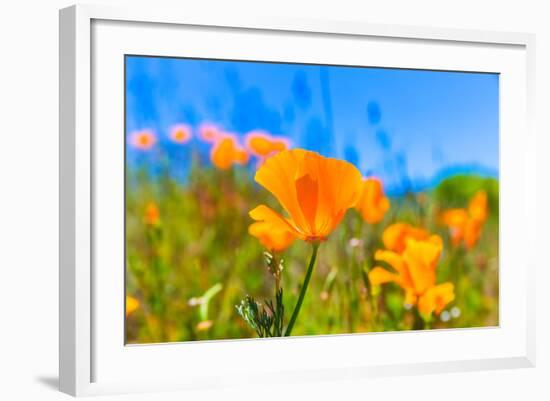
x,y
181,133
143,140
209,133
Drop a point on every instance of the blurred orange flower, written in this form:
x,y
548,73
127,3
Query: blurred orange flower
x,y
436,298
395,236
478,206
263,145
180,133
131,304
415,273
372,204
315,191
226,152
271,239
143,140
466,225
152,214
456,220
209,133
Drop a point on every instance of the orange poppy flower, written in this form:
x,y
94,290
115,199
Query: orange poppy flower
x,y
273,240
472,232
436,298
143,140
152,214
478,207
415,273
226,152
456,219
263,145
131,304
466,225
373,204
180,133
395,236
315,192
209,133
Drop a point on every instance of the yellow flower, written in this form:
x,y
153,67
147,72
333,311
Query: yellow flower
x,y
372,204
415,273
226,152
395,236
180,133
315,192
272,239
263,145
143,140
466,225
152,214
131,304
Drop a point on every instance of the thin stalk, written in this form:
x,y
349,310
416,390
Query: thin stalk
x,y
303,290
419,323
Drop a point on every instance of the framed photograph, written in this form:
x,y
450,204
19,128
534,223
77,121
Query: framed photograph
x,y
249,198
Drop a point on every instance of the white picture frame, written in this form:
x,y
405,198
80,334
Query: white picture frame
x,y
86,353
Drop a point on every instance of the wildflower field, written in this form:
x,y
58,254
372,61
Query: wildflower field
x,y
242,225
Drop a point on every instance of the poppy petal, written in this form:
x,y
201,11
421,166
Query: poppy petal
x,y
379,275
274,219
436,299
421,258
278,175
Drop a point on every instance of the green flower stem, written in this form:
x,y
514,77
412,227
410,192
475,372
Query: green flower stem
x,y
303,289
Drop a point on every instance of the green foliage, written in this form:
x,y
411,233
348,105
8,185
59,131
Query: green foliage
x,y
266,320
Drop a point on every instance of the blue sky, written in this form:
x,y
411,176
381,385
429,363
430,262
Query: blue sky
x,y
391,123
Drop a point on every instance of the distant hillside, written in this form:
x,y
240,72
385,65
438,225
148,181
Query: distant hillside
x,y
416,184
456,191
